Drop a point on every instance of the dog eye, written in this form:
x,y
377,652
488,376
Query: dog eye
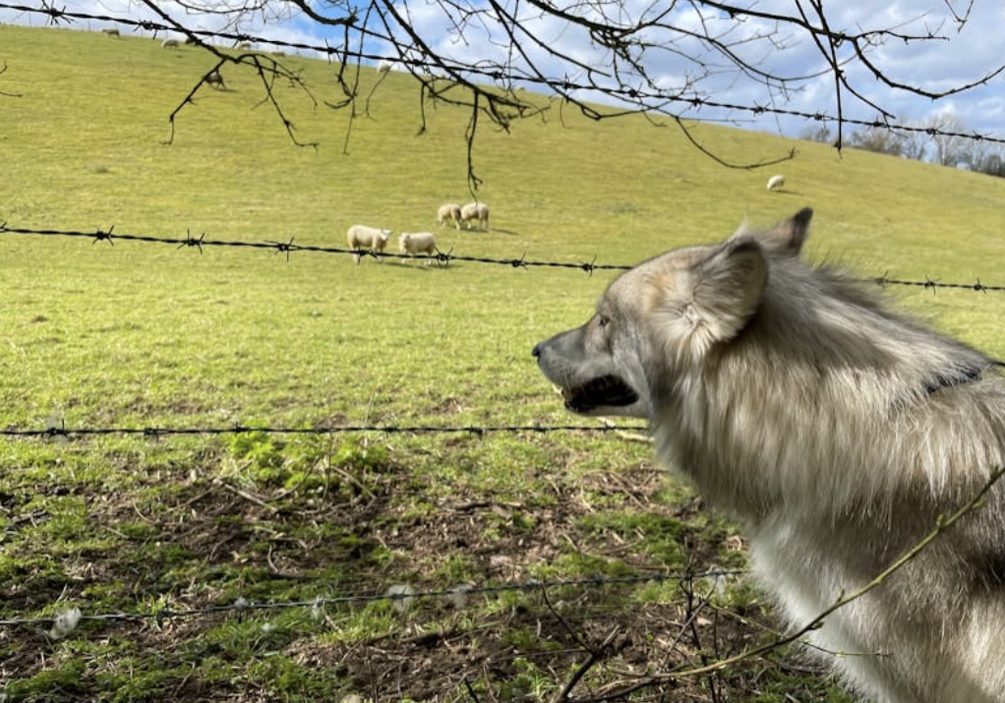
x,y
602,321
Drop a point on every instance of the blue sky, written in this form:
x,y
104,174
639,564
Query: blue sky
x,y
960,54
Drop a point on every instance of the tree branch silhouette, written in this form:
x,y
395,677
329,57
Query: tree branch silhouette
x,y
684,59
4,93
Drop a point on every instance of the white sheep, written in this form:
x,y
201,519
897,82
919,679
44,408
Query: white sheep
x,y
384,66
413,243
776,182
111,31
362,237
451,212
476,211
214,79
244,45
170,44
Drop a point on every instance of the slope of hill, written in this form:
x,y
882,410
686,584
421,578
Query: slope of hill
x,y
84,145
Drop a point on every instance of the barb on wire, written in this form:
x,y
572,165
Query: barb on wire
x,y
284,247
242,605
102,236
443,259
191,241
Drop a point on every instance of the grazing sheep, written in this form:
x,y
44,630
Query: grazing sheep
x,y
170,44
214,79
362,237
413,243
244,45
776,182
476,211
384,66
451,212
111,31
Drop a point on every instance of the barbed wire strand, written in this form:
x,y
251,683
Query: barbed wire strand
x,y
69,432
632,95
977,286
441,258
198,242
393,594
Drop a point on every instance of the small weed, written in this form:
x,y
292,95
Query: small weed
x,y
289,680
261,456
358,455
64,676
530,681
457,568
355,625
656,534
528,640
577,565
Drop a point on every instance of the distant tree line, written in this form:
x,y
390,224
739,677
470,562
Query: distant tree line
x,y
938,140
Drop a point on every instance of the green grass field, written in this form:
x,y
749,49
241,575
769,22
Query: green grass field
x,y
137,335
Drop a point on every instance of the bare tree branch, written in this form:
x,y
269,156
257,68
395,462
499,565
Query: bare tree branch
x,y
5,94
718,60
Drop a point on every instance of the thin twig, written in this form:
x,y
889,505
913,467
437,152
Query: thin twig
x,y
247,496
595,656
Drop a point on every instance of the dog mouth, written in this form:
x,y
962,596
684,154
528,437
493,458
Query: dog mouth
x,y
609,391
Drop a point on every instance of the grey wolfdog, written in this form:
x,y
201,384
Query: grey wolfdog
x,y
837,431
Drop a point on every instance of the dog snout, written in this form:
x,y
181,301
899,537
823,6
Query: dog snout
x,y
536,351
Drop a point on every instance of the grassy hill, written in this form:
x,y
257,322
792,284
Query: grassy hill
x,y
140,335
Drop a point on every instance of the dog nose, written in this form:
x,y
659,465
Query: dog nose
x,y
536,351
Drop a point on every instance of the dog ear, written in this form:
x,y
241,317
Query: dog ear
x,y
727,289
695,304
787,237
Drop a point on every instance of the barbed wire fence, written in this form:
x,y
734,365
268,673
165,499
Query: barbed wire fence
x,y
58,430
405,598
441,258
400,595
345,53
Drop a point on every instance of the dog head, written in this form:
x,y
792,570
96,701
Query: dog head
x,y
667,313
